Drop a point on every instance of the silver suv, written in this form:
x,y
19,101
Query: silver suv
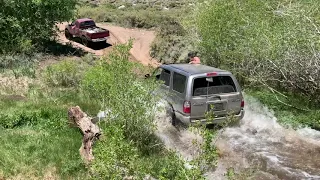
x,y
191,90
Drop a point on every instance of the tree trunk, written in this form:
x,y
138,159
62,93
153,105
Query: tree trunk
x,y
90,131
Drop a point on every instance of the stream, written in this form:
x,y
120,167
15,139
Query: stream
x,y
259,144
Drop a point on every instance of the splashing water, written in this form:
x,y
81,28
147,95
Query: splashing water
x,y
179,140
259,143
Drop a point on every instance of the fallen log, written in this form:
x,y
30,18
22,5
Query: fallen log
x,y
90,131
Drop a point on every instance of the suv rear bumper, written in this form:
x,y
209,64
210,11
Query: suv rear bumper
x,y
187,120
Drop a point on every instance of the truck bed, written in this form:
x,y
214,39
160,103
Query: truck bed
x,y
92,30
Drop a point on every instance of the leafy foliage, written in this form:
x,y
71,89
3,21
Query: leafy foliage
x,y
113,83
300,113
41,115
129,146
67,73
27,24
264,42
20,65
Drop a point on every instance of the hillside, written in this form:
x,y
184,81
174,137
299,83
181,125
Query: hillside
x,y
272,48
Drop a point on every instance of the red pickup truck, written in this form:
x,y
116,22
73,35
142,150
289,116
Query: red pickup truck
x,y
87,31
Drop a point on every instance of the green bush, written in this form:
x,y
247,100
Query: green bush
x,y
172,48
264,42
115,85
67,73
20,65
133,16
173,42
44,117
292,110
27,24
128,133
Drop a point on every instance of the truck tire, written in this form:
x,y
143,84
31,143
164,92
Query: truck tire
x,y
84,41
67,34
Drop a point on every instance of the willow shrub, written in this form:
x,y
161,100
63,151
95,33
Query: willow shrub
x,y
266,42
115,85
129,146
28,24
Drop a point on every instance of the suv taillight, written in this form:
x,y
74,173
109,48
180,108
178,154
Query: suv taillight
x,y
242,103
187,107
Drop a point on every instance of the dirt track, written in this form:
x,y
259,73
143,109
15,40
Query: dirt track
x,y
142,40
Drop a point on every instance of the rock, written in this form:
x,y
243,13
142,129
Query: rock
x,y
121,7
252,131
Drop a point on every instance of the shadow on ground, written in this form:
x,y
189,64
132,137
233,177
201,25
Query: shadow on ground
x,y
94,46
57,49
100,46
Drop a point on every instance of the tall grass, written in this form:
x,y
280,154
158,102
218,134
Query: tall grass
x,y
292,111
36,139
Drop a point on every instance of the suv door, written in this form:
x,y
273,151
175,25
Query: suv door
x,y
178,91
164,75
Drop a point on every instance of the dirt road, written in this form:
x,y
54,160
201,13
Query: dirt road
x,y
142,40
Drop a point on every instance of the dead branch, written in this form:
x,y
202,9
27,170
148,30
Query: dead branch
x,y
275,91
90,131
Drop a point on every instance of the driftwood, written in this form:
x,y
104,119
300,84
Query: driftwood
x,y
90,131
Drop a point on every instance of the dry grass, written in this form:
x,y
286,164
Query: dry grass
x,y
11,85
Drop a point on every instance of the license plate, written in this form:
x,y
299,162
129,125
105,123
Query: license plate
x,y
216,107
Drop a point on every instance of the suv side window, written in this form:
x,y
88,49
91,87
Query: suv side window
x,y
179,82
165,76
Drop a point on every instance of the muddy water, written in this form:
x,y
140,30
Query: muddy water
x,y
260,143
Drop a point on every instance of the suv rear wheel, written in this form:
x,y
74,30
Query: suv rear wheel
x,y
173,119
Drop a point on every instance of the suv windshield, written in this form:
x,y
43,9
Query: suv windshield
x,y
219,85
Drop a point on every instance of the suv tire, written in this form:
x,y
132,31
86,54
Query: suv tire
x,y
173,119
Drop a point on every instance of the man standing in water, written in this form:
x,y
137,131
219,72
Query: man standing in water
x,y
194,59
